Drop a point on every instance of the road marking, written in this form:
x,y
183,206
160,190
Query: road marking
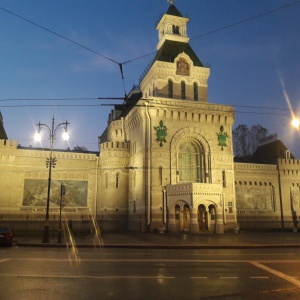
x,y
90,277
277,273
240,254
153,260
4,260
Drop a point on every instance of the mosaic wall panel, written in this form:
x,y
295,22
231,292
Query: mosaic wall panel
x,y
255,197
35,193
295,196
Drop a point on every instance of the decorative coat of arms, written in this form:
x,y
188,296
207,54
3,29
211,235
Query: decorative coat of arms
x,y
222,138
161,133
182,67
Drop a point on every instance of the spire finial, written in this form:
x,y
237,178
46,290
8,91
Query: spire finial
x,y
171,1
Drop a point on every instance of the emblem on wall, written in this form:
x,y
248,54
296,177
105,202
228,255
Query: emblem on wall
x,y
222,138
183,67
161,133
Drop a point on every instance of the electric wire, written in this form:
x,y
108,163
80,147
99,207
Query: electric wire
x,y
145,55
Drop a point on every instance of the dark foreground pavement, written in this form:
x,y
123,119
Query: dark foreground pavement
x,y
242,240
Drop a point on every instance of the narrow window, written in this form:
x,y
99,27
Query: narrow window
x,y
117,180
106,181
224,178
195,91
170,86
134,206
160,175
182,90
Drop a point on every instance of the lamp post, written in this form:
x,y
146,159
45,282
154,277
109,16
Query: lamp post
x,y
50,163
61,205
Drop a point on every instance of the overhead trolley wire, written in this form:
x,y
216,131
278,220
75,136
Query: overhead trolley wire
x,y
69,40
120,64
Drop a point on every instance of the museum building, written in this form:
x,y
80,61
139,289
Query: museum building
x,y
166,160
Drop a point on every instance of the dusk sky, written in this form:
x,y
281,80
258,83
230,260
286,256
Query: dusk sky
x,y
254,64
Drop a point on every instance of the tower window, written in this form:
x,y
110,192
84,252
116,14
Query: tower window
x,y
195,91
175,29
170,88
182,90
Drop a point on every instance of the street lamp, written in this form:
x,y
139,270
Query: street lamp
x,y
50,163
296,123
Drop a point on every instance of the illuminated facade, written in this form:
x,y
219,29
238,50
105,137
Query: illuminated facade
x,y
166,160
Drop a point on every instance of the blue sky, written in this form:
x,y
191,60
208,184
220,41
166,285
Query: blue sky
x,y
255,63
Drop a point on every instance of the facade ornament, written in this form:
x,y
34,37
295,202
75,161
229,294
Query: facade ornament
x,y
222,138
161,133
183,67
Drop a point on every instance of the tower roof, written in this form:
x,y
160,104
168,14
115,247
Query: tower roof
x,y
173,11
171,49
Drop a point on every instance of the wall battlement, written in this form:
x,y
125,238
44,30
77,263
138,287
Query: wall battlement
x,y
9,144
288,162
118,146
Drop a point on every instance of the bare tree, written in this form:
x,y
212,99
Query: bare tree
x,y
80,149
246,140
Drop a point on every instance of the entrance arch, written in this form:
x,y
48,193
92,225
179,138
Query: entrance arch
x,y
202,217
207,217
182,217
212,217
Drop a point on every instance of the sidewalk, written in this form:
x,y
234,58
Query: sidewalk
x,y
242,240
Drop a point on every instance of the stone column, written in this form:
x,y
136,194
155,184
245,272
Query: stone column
x,y
219,221
194,220
171,220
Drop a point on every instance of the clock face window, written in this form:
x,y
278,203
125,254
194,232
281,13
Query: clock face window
x,y
183,67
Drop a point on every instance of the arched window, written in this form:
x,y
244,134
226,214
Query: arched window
x,y
191,162
182,90
170,88
195,91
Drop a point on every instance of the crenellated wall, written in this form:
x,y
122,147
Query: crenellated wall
x,y
8,144
24,180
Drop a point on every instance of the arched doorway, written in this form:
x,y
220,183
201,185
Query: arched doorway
x,y
182,217
202,218
212,217
186,218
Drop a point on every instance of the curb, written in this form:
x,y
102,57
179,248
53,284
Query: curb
x,y
151,246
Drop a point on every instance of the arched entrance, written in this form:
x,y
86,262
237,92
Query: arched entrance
x,y
182,217
212,217
207,217
186,220
202,217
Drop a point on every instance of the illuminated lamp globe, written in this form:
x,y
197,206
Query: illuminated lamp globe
x,y
65,135
37,137
296,123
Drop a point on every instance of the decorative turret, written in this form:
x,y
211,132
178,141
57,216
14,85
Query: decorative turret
x,y
176,71
172,26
